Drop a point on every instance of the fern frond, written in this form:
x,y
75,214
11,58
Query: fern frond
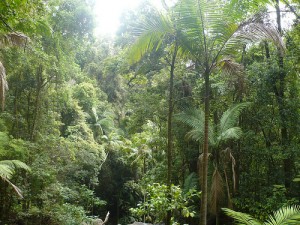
x,y
15,164
190,182
241,218
285,216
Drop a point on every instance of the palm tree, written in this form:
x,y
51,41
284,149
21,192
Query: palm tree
x,y
288,215
206,32
7,169
222,158
101,127
209,35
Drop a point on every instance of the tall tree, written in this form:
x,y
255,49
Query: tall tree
x,y
151,34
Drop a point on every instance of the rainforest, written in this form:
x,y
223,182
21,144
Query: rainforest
x,y
188,114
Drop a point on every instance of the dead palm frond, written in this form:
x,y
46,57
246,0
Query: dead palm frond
x,y
3,85
200,165
217,193
13,39
228,161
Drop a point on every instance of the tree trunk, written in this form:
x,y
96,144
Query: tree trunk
x,y
203,210
279,92
170,135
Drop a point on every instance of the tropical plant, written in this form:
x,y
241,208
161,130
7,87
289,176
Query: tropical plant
x,y
222,158
287,215
159,200
7,169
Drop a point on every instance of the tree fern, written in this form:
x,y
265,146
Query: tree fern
x,y
7,169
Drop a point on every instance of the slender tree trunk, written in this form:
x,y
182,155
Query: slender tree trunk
x,y
203,210
281,105
170,135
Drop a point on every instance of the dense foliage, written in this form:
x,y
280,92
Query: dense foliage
x,y
195,104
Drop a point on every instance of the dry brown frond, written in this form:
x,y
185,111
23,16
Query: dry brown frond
x,y
217,193
234,75
256,31
16,189
3,85
200,166
228,159
14,39
229,66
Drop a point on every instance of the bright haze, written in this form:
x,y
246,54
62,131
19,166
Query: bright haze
x,y
108,13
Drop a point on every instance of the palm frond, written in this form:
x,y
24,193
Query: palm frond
x,y
194,19
241,218
15,164
233,133
230,118
252,31
3,85
194,118
285,216
150,33
6,171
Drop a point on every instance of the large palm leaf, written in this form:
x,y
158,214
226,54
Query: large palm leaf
x,y
149,34
228,121
194,118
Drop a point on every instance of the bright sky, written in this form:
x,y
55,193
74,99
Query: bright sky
x,y
108,13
